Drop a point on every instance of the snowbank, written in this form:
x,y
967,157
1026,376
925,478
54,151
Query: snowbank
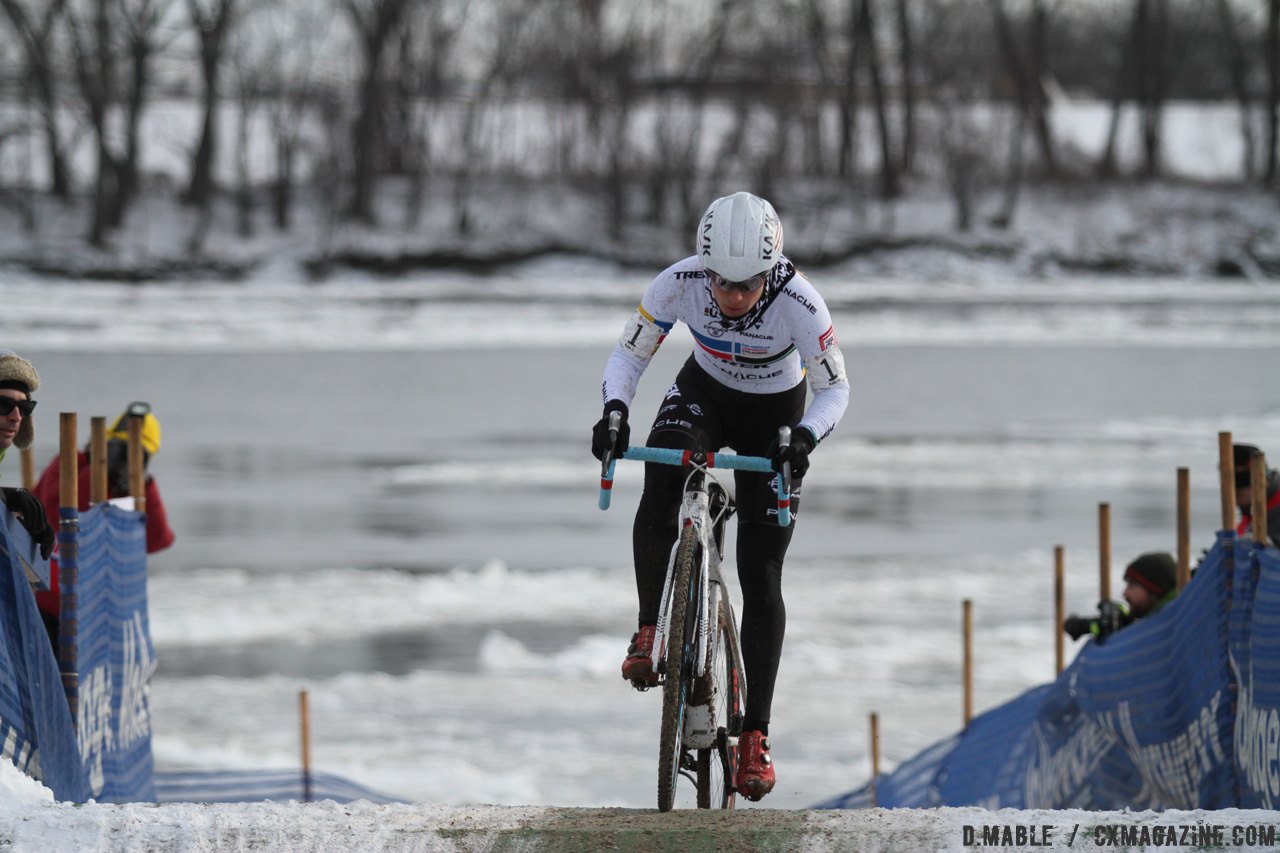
x,y
31,821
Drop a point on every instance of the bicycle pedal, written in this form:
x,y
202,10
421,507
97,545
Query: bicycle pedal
x,y
641,686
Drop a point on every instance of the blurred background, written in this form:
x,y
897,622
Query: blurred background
x,y
474,129
366,260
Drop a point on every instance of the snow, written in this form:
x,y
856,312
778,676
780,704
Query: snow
x,y
31,821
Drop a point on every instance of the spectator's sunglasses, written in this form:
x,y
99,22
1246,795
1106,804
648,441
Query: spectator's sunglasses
x,y
8,404
751,285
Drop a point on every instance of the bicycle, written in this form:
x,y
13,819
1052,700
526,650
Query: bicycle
x,y
696,650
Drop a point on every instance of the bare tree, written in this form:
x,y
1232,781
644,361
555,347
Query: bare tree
x,y
278,49
678,132
1121,85
956,75
1146,75
140,22
251,77
1153,84
864,32
91,32
211,22
1238,64
424,55
604,74
503,65
906,84
101,33
35,33
1273,93
375,22
1027,73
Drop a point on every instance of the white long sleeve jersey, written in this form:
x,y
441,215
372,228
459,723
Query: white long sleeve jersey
x,y
787,336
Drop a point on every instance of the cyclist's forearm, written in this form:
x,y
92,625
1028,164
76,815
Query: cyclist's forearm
x,y
825,411
829,383
622,376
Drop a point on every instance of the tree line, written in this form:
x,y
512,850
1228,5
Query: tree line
x,y
647,104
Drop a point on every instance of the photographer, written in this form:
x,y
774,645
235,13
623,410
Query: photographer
x,y
159,535
1150,584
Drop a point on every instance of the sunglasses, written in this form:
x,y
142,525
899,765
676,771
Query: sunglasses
x,y
751,285
8,404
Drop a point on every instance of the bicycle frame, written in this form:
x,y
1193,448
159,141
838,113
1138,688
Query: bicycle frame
x,y
695,511
698,735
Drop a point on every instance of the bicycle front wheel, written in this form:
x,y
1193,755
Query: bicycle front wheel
x,y
718,764
678,677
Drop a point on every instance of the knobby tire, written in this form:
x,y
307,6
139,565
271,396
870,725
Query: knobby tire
x,y
717,765
675,685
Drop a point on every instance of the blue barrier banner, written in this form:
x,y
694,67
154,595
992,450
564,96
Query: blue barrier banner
x,y
1256,656
251,786
36,732
114,657
1143,720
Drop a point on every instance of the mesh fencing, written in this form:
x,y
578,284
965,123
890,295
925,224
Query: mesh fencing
x,y
36,731
1158,716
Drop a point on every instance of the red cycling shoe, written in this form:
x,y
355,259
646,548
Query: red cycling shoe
x,y
755,766
638,667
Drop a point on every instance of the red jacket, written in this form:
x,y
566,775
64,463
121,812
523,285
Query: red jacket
x,y
159,535
1246,520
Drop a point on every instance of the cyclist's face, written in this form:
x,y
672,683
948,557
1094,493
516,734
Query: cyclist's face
x,y
733,301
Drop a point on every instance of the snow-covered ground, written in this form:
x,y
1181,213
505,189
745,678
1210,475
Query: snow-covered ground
x,y
30,822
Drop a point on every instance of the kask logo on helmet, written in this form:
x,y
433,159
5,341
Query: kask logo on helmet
x,y
767,239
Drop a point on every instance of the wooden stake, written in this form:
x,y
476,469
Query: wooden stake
x,y
28,468
1184,527
1059,609
304,711
1104,552
137,483
68,561
968,660
875,757
1227,480
97,460
68,463
1258,510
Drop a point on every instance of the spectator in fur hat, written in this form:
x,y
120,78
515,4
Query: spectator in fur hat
x,y
1151,582
18,381
1242,457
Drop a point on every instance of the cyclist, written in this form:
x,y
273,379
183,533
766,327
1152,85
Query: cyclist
x,y
759,327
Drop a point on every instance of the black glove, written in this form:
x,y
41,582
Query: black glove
x,y
797,452
30,512
1077,626
600,432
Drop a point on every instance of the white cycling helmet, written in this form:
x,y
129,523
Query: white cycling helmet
x,y
739,237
